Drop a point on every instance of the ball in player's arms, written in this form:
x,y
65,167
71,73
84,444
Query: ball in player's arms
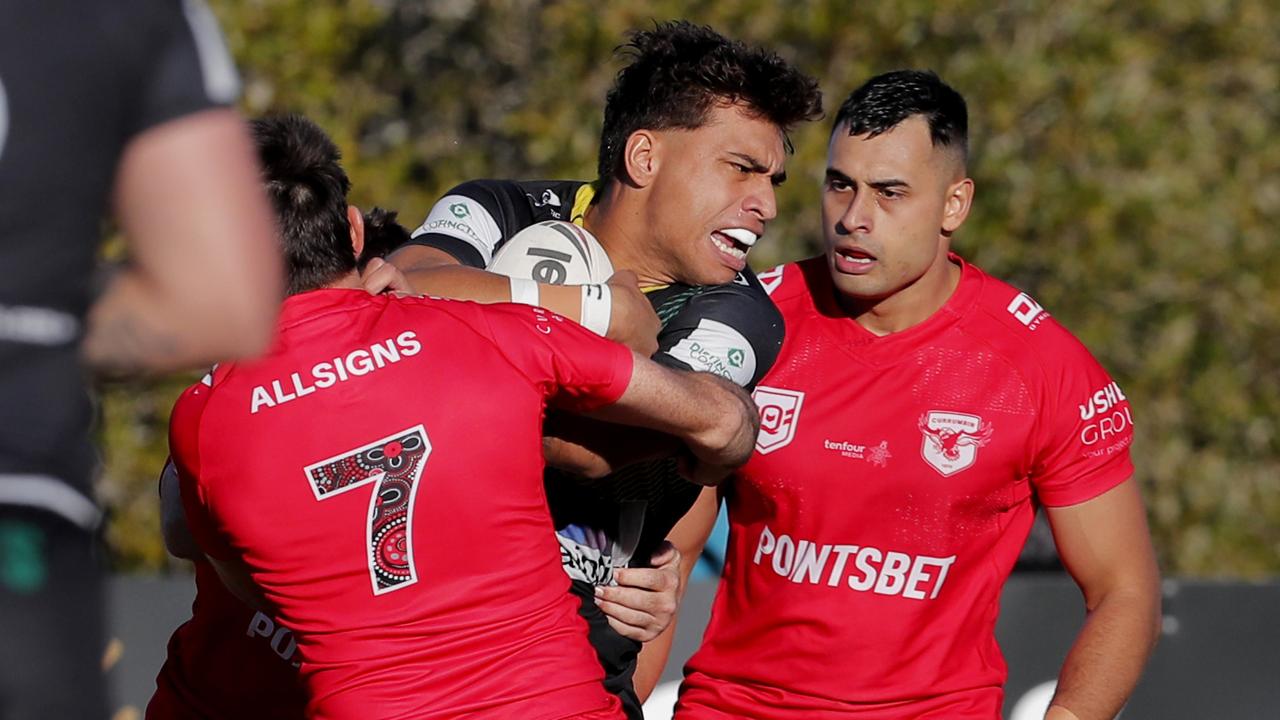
x,y
553,252
559,253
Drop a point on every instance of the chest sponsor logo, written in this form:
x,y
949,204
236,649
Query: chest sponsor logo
x,y
779,413
877,455
952,439
861,568
277,635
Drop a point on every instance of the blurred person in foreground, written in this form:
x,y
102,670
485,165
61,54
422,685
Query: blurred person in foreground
x,y
375,481
919,412
129,115
693,145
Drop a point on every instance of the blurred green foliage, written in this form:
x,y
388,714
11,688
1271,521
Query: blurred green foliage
x,y
1124,155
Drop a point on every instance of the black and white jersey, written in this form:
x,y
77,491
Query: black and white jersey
x,y
77,81
732,330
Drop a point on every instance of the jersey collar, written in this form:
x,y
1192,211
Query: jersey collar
x,y
887,349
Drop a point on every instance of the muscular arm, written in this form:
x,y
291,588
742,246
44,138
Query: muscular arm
x,y
1106,547
716,420
433,271
205,277
688,536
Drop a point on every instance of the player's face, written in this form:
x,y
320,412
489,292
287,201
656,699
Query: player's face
x,y
889,204
713,193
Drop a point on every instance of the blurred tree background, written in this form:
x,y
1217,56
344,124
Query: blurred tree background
x,y
1124,154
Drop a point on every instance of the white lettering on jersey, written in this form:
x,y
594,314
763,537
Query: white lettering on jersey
x,y
770,279
278,636
717,348
884,572
340,369
1027,311
779,413
1107,427
465,219
952,439
877,455
1101,401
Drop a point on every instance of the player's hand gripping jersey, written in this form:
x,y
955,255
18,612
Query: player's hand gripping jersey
x,y
379,474
891,490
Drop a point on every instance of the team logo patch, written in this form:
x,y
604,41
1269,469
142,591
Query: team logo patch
x,y
459,210
952,439
779,413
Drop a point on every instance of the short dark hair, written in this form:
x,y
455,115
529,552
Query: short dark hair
x,y
679,71
885,100
308,188
382,234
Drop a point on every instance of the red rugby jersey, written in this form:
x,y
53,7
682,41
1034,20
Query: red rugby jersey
x,y
892,487
228,661
379,473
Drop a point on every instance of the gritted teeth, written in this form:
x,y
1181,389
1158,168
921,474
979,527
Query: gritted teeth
x,y
728,249
741,236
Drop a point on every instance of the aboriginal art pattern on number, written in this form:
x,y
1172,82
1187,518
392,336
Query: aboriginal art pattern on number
x,y
393,465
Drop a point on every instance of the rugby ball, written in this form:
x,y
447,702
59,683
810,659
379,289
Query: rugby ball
x,y
553,252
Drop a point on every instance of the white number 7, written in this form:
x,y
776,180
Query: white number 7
x,y
393,465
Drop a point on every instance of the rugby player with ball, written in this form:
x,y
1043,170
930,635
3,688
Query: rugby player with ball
x,y
692,147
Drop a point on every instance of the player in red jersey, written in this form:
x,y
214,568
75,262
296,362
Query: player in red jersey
x,y
919,412
229,660
375,481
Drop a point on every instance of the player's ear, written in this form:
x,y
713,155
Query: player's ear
x,y
355,219
641,157
959,200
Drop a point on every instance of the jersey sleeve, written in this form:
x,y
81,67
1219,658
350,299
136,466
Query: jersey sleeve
x,y
184,450
183,67
577,369
1085,428
732,330
474,219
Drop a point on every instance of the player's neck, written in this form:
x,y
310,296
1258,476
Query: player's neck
x,y
350,281
908,307
619,228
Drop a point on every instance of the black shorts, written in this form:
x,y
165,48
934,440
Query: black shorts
x,y
617,654
51,618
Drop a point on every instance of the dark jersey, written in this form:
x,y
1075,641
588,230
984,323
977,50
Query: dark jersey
x,y
732,330
68,108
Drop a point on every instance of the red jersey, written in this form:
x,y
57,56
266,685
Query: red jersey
x,y
893,484
228,661
380,475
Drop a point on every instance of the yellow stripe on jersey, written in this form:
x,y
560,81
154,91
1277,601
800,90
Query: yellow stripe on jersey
x,y
581,201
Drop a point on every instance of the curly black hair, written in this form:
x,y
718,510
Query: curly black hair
x,y
308,188
679,71
382,234
884,101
